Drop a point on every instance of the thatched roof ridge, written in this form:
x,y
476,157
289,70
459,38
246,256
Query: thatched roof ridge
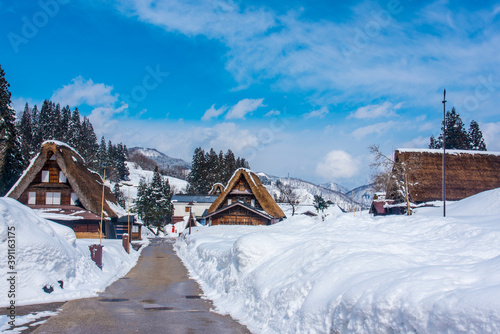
x,y
467,173
260,192
215,187
86,184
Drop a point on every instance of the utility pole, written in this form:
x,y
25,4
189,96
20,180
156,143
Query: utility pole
x,y
444,153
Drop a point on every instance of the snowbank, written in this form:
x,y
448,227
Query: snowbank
x,y
46,252
354,274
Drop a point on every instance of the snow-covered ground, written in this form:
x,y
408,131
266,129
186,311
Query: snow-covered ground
x,y
46,252
357,274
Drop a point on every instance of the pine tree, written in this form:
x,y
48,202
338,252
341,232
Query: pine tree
x,y
153,204
456,136
11,160
102,156
121,157
88,146
65,121
198,172
45,124
213,166
56,122
476,141
320,204
26,134
120,199
230,165
75,129
37,135
111,162
221,167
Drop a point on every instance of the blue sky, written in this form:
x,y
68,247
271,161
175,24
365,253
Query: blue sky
x,y
298,87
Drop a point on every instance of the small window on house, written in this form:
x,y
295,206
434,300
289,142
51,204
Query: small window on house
x,y
52,198
74,199
62,177
229,201
45,176
53,157
135,229
252,202
32,197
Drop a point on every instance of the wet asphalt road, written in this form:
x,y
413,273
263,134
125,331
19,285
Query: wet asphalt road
x,y
155,297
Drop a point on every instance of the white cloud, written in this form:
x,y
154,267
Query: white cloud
x,y
337,164
325,57
98,95
102,117
213,113
81,91
386,109
321,112
491,135
244,107
272,113
18,104
378,128
419,142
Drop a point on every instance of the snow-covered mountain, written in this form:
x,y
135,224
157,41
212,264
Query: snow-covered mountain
x,y
163,160
362,194
335,186
307,191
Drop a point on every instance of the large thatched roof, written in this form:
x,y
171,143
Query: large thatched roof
x,y
467,173
86,184
260,192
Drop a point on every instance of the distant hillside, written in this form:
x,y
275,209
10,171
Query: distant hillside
x,y
335,186
162,160
307,190
363,194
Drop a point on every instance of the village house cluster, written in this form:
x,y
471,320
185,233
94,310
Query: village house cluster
x,y
59,186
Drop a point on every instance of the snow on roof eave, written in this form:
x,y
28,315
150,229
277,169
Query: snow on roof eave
x,y
32,162
448,151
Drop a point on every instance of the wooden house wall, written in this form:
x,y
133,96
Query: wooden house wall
x,y
238,216
245,195
41,188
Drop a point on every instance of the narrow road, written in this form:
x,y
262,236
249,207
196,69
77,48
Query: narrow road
x,y
156,296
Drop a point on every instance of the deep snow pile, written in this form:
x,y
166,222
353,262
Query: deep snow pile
x,y
47,252
356,274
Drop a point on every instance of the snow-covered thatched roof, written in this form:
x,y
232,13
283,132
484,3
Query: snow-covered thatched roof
x,y
259,191
85,183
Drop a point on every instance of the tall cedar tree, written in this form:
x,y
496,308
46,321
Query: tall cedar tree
x,y
120,199
11,160
456,135
26,133
35,126
154,202
53,123
210,168
476,141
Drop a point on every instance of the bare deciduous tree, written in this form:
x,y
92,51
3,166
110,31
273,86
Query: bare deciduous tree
x,y
287,195
392,176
